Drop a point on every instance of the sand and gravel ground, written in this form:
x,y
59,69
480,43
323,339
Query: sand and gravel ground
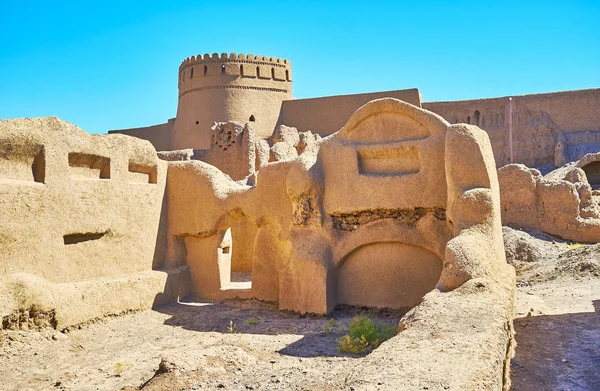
x,y
249,345
281,351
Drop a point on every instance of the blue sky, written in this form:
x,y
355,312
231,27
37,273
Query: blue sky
x,y
113,64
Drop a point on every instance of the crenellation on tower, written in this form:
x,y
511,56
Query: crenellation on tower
x,y
229,86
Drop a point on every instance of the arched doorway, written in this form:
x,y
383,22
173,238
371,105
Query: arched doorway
x,y
592,172
387,275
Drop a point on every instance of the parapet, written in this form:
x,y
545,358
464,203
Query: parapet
x,y
234,69
233,57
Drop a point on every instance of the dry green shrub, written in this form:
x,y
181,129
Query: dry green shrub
x,y
330,326
364,335
252,321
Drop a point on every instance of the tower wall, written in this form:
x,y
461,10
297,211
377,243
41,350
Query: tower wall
x,y
229,87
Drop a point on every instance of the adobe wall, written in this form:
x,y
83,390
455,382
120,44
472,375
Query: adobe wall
x,y
420,188
229,87
82,222
158,135
530,127
563,203
329,114
397,205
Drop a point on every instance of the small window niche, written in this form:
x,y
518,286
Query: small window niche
x,y
88,166
139,173
38,167
22,162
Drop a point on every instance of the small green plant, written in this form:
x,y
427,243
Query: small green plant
x,y
330,326
365,335
347,344
232,328
119,368
252,321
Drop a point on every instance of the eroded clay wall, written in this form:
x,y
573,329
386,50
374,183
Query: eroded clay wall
x,y
329,114
82,223
158,135
372,216
562,203
529,127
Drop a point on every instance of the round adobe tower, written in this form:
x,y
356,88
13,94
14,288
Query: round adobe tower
x,y
230,87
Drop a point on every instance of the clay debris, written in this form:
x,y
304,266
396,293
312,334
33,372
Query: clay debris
x,y
353,221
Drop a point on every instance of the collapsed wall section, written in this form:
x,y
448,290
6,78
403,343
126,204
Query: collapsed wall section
x,y
562,203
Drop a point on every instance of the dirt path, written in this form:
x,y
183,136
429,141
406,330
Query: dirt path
x,y
559,342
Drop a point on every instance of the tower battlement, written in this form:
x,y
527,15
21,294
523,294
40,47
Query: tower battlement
x,y
235,69
240,87
232,57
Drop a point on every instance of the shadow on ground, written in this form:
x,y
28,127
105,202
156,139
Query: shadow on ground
x,y
558,352
320,334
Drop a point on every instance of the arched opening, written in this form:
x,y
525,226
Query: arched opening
x,y
287,75
192,73
252,119
223,69
592,172
205,70
242,69
387,275
273,73
468,119
257,71
476,117
236,262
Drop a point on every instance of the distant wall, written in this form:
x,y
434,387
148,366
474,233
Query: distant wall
x,y
534,124
327,115
158,135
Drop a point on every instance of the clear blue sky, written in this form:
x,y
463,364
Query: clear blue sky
x,y
113,64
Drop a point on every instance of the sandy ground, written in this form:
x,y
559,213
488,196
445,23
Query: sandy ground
x,y
249,345
557,325
281,351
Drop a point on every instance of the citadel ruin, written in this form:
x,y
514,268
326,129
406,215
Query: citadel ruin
x,y
368,200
